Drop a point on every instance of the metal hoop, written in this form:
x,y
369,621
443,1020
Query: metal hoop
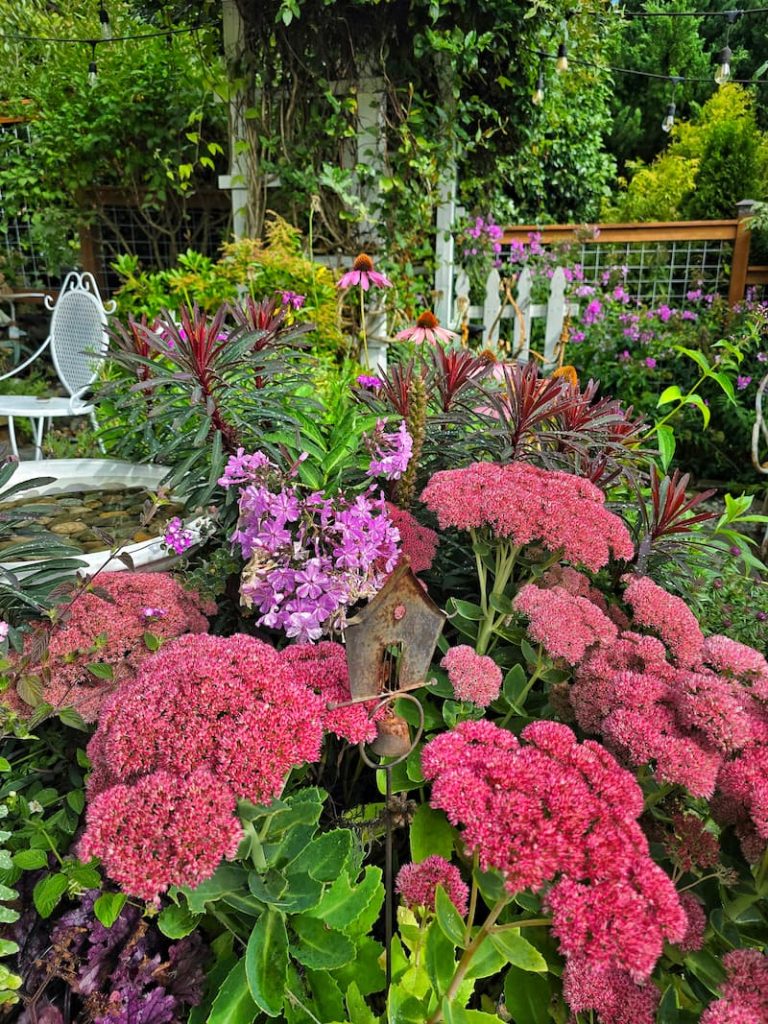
x,y
383,702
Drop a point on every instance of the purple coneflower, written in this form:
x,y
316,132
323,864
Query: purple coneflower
x,y
362,273
426,328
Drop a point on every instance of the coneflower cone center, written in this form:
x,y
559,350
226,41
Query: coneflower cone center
x,y
428,320
363,262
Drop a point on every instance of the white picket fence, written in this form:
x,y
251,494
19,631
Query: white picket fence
x,y
496,311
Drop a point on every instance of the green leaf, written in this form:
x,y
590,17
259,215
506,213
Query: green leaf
x,y
228,878
698,357
234,1003
344,904
707,968
701,405
152,641
108,906
324,858
366,970
518,951
48,892
176,922
326,994
5,765
266,962
320,947
358,1010
439,958
486,961
76,800
527,996
84,875
670,394
466,609
30,690
100,670
31,860
224,961
431,833
449,919
73,719
8,948
665,438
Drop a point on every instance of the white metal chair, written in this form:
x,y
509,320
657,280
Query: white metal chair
x,y
78,342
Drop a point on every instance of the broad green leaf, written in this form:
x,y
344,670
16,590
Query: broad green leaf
x,y
30,860
431,833
216,974
343,905
466,609
228,878
366,969
448,918
518,951
74,720
358,1010
84,875
48,892
324,858
266,962
698,357
99,670
486,961
707,968
5,765
176,922
8,948
726,384
108,906
233,1003
318,946
326,994
527,996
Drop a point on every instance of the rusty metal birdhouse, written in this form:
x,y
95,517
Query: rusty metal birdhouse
x,y
390,644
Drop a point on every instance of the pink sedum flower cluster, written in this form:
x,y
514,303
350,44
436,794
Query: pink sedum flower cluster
x,y
418,543
668,616
232,708
744,998
556,815
566,625
107,624
611,992
474,677
417,883
528,505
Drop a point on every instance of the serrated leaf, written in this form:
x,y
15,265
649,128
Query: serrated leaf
x,y
72,718
30,690
176,922
266,962
324,857
234,1003
318,946
31,860
48,892
100,670
108,906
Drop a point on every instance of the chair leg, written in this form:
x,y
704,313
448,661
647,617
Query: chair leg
x,y
95,424
38,426
12,436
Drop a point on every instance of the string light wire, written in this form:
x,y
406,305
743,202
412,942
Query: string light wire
x,y
645,74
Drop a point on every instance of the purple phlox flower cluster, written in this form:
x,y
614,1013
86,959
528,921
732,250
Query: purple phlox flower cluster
x,y
624,356
620,294
762,357
243,468
392,451
574,273
152,613
577,336
176,537
743,382
664,313
688,314
650,362
695,295
293,299
584,291
309,557
593,313
370,383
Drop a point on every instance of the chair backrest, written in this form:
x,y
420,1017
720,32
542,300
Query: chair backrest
x,y
78,337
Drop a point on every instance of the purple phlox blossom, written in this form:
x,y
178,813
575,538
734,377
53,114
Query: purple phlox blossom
x,y
534,242
632,333
4,628
363,274
577,336
176,537
688,314
584,290
517,251
624,356
650,362
391,453
242,468
743,382
293,299
310,557
370,383
620,294
593,313
153,613
762,357
694,295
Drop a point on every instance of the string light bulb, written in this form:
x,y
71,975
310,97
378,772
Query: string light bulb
x,y
561,64
538,93
93,74
669,119
723,72
106,28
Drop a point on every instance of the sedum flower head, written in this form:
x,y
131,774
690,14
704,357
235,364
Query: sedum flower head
x,y
566,625
417,884
529,505
474,677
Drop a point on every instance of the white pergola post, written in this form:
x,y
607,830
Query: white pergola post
x,y
444,250
236,182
